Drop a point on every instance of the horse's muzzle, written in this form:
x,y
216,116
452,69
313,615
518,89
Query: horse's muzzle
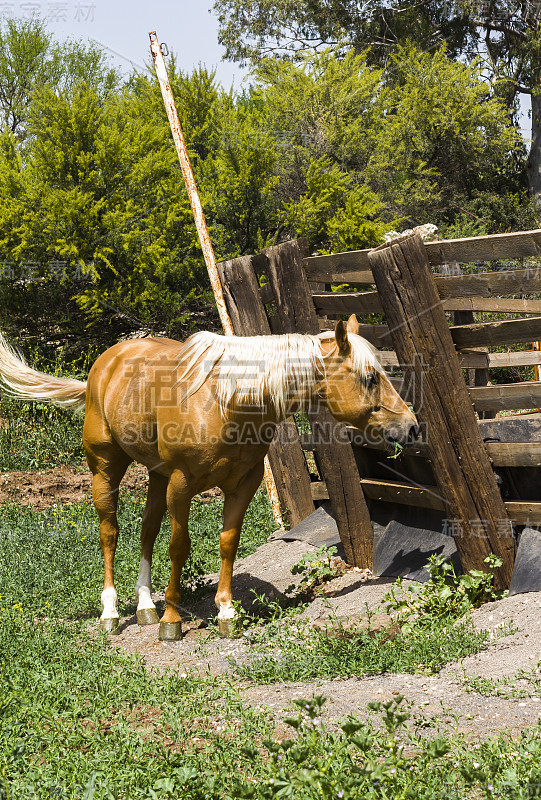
x,y
413,435
404,435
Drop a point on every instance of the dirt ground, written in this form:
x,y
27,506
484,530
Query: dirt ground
x,y
64,485
441,702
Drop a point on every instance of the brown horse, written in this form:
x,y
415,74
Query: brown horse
x,y
202,414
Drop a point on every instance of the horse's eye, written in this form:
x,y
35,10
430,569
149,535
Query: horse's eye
x,y
372,380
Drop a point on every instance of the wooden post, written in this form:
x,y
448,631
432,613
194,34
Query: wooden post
x,y
284,266
476,513
241,290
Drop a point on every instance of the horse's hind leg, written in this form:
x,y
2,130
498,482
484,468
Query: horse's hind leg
x,y
235,507
108,465
179,498
154,510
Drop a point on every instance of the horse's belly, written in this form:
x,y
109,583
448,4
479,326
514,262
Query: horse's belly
x,y
137,435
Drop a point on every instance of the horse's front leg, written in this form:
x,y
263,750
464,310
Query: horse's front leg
x,y
152,518
178,504
235,507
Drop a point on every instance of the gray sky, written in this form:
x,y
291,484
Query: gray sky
x,y
122,26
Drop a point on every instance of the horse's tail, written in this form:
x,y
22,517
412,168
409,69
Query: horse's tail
x,y
19,380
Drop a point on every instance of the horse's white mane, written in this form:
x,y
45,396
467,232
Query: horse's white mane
x,y
252,369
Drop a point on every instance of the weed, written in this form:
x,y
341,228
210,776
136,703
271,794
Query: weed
x,y
529,680
398,450
355,762
445,596
299,652
81,721
263,610
77,718
316,569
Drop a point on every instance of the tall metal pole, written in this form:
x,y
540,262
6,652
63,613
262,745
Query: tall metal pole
x,y
201,225
195,202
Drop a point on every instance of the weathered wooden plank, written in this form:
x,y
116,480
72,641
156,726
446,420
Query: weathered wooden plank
x,y
477,360
510,331
346,302
354,266
500,332
521,428
489,284
349,267
319,490
370,303
392,492
459,459
378,335
284,266
491,398
524,513
517,358
526,453
499,305
287,461
520,512
498,246
507,396
514,454
502,454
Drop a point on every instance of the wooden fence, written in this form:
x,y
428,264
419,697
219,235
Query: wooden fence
x,y
450,473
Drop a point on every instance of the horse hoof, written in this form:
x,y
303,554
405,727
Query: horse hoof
x,y
226,627
111,626
170,631
147,616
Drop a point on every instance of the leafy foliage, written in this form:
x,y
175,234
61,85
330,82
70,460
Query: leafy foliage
x,y
90,184
504,35
445,595
315,569
300,653
290,28
30,59
333,216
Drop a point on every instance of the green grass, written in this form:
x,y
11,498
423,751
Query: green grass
x,y
36,436
524,683
52,558
82,721
297,652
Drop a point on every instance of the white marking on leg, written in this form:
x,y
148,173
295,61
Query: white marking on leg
x,y
108,602
144,599
143,587
226,611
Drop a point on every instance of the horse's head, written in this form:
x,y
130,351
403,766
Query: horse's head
x,y
356,389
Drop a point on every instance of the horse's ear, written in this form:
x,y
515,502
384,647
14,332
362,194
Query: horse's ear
x,y
353,324
341,336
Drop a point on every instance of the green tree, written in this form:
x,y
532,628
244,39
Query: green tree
x,y
293,28
442,138
333,214
505,35
30,59
99,185
424,134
